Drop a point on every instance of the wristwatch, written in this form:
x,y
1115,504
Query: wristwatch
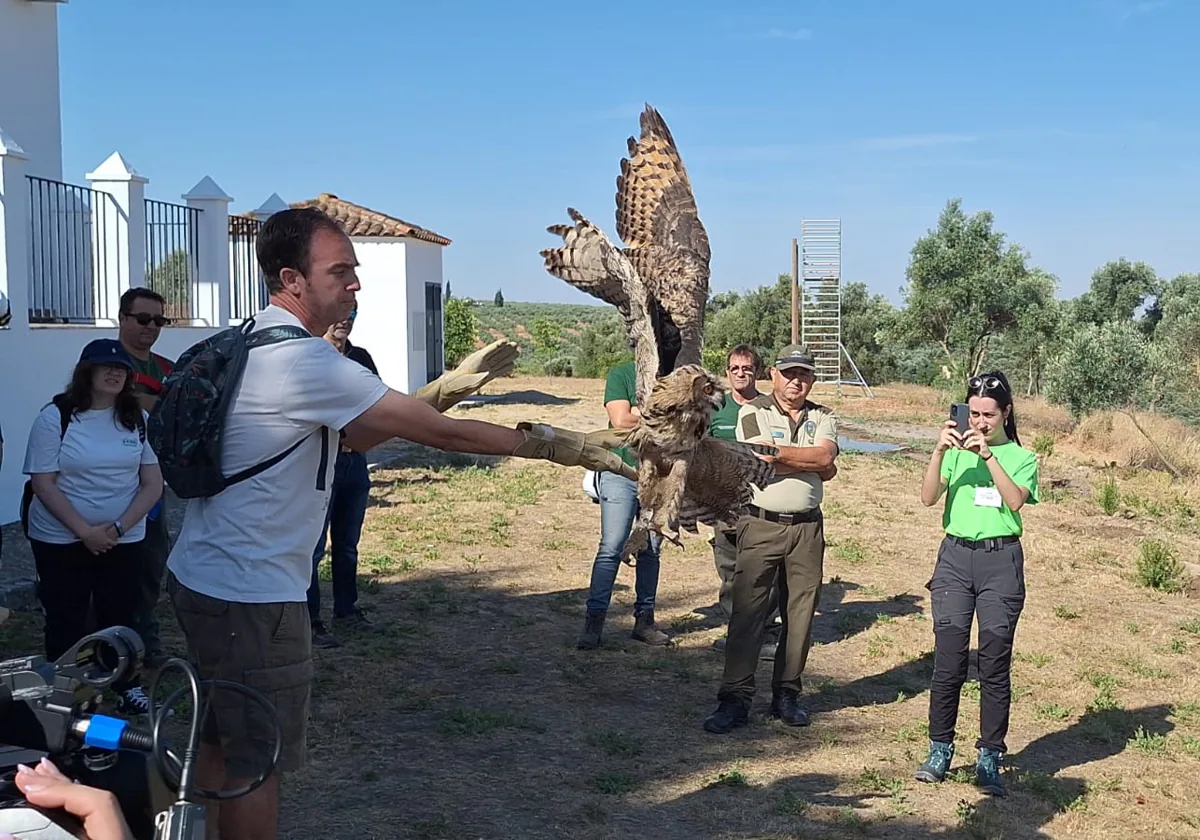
x,y
120,530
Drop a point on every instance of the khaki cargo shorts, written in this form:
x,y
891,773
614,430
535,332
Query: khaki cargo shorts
x,y
267,647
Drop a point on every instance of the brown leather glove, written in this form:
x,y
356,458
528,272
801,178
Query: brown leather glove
x,y
476,370
590,450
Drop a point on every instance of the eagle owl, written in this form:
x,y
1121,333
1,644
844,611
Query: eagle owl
x,y
659,285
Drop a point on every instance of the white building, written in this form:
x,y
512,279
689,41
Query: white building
x,y
69,250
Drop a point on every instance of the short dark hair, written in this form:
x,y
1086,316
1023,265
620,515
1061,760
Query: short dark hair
x,y
137,292
284,241
745,350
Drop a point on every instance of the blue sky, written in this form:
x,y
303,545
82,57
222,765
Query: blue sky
x,y
1074,121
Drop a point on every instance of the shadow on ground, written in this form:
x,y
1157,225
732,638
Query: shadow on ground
x,y
476,697
527,397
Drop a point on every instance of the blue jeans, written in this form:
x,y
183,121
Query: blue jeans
x,y
618,507
343,521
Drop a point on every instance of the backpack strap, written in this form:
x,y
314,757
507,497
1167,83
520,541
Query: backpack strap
x,y
64,419
262,338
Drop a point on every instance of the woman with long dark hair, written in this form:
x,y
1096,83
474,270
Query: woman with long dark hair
x,y
94,479
987,478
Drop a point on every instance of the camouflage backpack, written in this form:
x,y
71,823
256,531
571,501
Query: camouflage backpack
x,y
188,421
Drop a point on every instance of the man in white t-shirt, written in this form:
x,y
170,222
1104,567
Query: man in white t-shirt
x,y
240,569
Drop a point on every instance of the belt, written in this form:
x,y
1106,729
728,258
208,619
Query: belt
x,y
989,544
812,515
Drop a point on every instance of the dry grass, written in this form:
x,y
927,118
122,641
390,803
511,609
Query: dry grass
x,y
474,716
1161,443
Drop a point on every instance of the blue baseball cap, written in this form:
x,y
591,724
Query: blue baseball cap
x,y
106,351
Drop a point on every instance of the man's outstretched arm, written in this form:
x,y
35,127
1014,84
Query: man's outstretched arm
x,y
400,415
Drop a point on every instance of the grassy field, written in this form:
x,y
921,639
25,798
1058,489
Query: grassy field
x,y
473,716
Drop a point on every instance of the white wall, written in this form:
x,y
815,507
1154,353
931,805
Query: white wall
x,y
382,325
29,95
36,365
424,265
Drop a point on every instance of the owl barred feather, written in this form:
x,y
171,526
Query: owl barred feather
x,y
659,285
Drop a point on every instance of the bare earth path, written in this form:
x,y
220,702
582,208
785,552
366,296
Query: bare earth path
x,y
473,716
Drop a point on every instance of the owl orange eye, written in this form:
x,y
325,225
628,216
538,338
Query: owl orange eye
x,y
708,389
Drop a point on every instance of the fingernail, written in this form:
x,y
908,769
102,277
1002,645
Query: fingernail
x,y
21,768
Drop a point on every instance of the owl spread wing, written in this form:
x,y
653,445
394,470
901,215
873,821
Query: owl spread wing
x,y
719,481
589,261
659,223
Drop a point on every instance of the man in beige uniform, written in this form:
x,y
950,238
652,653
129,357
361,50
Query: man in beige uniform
x,y
781,542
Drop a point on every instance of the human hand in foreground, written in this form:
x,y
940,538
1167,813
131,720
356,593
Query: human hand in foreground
x,y
46,787
476,370
591,450
949,438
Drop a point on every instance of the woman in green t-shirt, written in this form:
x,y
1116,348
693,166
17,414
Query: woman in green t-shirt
x,y
987,478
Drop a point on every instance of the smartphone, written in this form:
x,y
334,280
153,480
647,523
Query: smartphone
x,y
960,413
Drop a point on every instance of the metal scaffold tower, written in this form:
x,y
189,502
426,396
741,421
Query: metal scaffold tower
x,y
821,300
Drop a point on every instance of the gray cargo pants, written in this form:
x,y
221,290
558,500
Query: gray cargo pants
x,y
984,577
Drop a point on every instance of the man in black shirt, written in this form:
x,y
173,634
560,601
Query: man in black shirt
x,y
343,520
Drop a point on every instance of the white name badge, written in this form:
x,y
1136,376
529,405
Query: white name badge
x,y
988,497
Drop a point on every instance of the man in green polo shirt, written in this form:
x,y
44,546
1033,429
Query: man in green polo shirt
x,y
618,508
780,541
140,322
742,368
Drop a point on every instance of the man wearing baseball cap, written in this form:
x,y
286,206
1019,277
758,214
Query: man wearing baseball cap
x,y
781,542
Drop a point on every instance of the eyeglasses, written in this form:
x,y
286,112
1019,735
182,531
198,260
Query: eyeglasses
x,y
144,318
985,383
741,368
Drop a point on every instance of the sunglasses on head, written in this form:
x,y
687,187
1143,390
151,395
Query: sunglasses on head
x,y
985,383
144,318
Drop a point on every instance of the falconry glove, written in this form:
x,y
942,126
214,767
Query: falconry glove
x,y
472,373
591,450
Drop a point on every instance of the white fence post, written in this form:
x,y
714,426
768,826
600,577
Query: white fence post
x,y
213,284
271,206
14,235
121,226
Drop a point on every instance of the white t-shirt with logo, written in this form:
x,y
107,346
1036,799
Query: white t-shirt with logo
x,y
253,542
98,463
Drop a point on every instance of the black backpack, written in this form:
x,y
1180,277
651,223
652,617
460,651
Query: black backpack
x,y
64,419
188,420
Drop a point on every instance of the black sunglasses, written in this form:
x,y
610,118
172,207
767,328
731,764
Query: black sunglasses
x,y
144,318
985,383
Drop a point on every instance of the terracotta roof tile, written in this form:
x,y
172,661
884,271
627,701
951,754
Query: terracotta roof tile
x,y
363,221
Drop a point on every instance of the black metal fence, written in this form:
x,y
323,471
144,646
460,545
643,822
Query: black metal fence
x,y
248,292
172,256
69,277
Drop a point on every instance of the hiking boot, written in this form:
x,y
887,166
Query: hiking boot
x,y
593,626
730,714
937,764
987,772
785,705
322,638
356,621
645,631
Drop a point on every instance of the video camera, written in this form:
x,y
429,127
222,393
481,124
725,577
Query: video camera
x,y
49,709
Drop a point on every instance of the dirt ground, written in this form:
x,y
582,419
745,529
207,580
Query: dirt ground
x,y
472,715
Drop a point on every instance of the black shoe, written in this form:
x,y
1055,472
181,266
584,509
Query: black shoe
x,y
730,714
593,629
785,705
357,621
322,638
